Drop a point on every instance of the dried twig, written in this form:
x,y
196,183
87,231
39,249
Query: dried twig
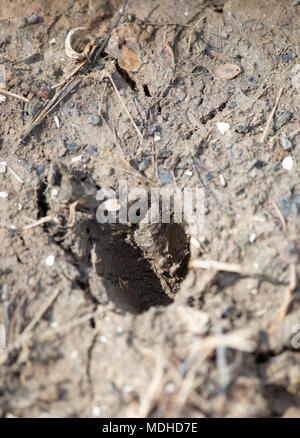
x,y
218,266
6,304
280,215
55,19
24,338
232,267
10,94
36,319
18,178
155,384
125,107
264,136
48,107
73,72
101,49
42,221
294,133
288,293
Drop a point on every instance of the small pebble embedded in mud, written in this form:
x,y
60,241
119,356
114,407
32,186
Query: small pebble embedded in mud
x,y
50,260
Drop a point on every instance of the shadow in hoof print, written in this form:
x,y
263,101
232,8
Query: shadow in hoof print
x,y
134,267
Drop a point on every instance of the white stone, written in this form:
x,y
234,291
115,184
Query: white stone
x,y
223,181
287,163
3,166
76,159
96,411
223,127
50,260
56,120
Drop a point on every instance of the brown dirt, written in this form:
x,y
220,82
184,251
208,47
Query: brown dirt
x,y
121,325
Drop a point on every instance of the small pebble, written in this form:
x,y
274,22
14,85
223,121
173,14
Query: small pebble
x,y
33,108
94,120
259,164
252,237
50,260
19,206
288,163
170,388
3,195
188,173
165,178
287,58
71,147
3,166
33,19
153,129
232,105
96,411
56,120
287,206
254,84
128,388
103,339
26,166
39,169
283,119
91,149
261,312
195,242
157,137
223,127
223,181
76,159
286,142
74,354
242,129
146,163
54,193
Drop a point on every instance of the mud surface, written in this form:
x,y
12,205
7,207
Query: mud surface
x,y
118,320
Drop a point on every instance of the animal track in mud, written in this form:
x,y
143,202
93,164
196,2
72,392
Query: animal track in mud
x,y
115,268
134,266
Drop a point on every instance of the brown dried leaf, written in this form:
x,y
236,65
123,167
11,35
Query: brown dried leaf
x,y
227,71
128,60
